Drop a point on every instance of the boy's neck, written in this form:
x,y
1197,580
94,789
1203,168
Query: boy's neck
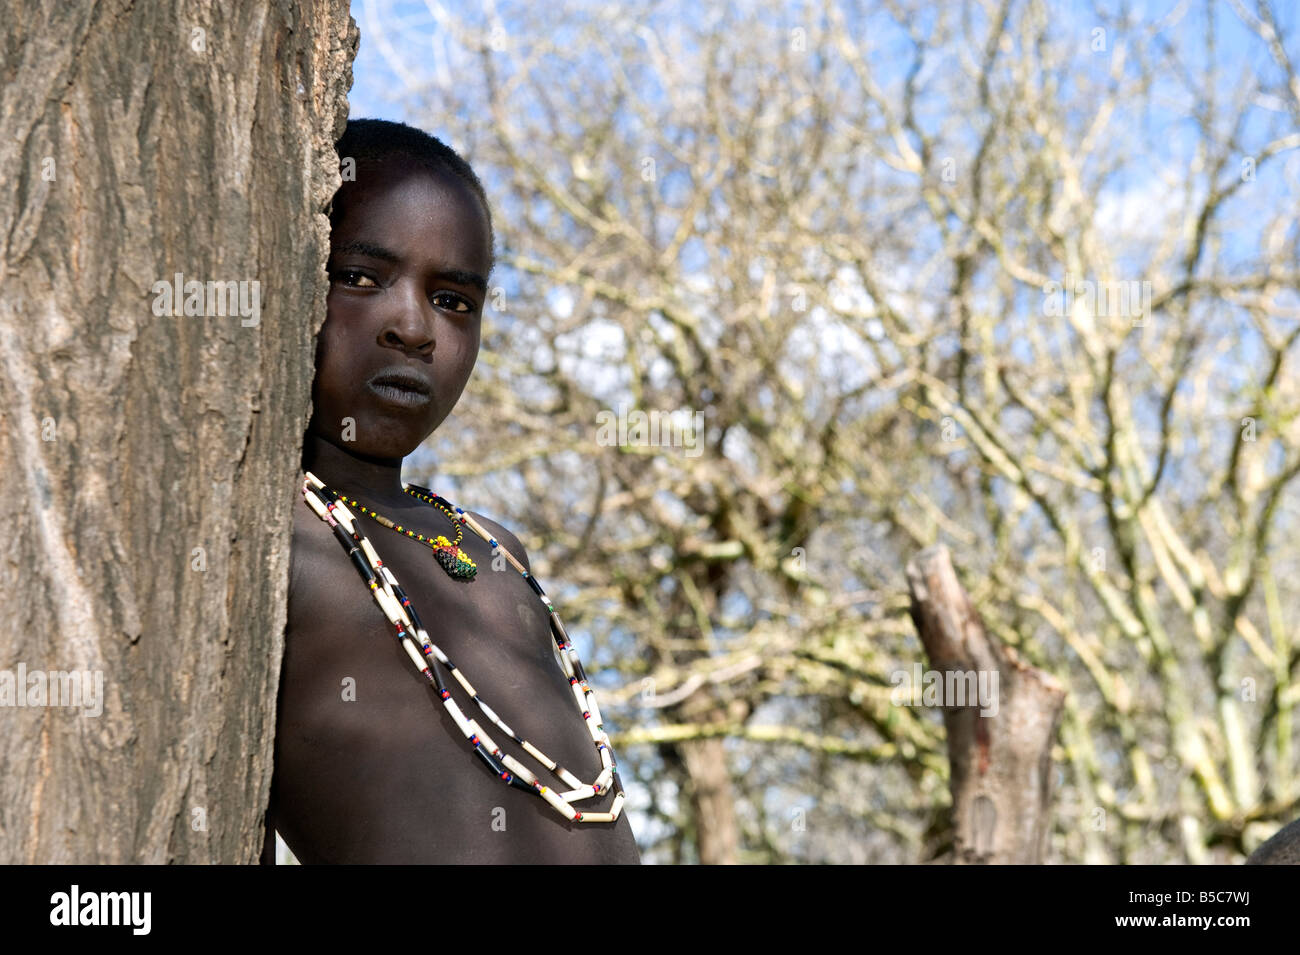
x,y
378,480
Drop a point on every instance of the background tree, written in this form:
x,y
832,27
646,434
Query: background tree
x,y
1015,277
149,459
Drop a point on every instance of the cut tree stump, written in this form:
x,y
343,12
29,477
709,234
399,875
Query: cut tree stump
x,y
1001,763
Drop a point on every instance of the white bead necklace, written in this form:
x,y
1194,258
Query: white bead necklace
x,y
397,607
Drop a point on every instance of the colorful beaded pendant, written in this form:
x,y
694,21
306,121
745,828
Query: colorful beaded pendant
x,y
454,560
446,552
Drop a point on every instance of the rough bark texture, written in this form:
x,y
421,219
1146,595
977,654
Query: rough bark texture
x,y
137,142
1001,764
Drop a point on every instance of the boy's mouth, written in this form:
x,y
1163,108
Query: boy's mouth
x,y
401,386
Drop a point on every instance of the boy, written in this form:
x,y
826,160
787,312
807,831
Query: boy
x,y
369,766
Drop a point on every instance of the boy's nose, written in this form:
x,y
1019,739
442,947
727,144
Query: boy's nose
x,y
411,326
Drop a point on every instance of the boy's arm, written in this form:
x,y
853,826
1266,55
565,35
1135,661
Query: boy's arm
x,y
1282,849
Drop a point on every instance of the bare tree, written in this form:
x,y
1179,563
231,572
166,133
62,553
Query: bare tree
x,y
982,274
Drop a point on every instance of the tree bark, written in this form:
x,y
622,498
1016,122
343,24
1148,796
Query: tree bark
x,y
1001,761
149,459
712,802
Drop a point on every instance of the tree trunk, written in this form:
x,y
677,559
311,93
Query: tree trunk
x,y
712,802
1001,761
149,451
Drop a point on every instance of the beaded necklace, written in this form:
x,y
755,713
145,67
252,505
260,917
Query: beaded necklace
x,y
447,552
329,506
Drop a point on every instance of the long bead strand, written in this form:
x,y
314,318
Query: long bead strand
x,y
573,668
397,607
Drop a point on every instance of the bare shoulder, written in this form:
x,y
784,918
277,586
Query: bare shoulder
x,y
312,543
508,540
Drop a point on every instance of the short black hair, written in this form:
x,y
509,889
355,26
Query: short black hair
x,y
377,140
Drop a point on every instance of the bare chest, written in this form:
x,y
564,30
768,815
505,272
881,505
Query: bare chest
x,y
364,748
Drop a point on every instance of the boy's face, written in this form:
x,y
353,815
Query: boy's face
x,y
409,259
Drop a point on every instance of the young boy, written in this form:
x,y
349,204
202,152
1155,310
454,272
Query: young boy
x,y
369,765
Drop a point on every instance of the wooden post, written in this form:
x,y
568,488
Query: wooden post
x,y
999,747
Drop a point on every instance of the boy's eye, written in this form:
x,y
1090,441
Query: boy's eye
x,y
355,279
452,302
